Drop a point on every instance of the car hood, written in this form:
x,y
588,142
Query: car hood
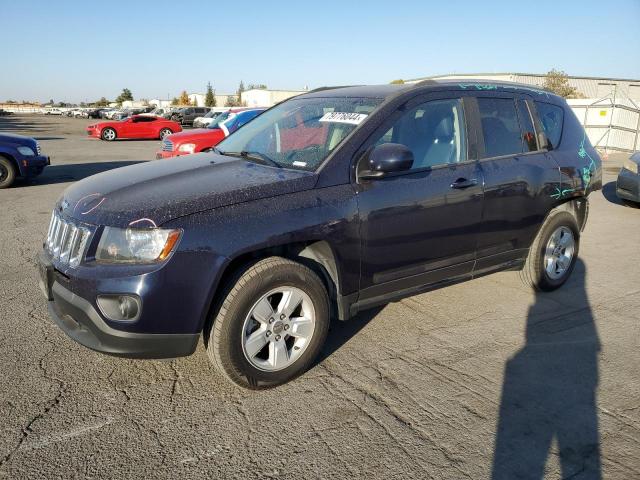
x,y
17,139
190,134
153,193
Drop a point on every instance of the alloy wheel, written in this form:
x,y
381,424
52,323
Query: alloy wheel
x,y
559,252
278,328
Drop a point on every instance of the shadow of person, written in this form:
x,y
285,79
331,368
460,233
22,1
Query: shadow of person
x,y
550,389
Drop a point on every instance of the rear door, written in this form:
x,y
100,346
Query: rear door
x,y
518,177
420,227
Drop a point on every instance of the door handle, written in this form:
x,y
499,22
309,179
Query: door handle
x,y
464,183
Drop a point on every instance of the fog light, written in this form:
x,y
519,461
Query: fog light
x,y
120,307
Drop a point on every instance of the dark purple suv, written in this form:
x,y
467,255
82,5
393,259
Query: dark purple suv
x,y
325,205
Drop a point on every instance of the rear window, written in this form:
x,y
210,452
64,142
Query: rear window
x,y
551,117
500,127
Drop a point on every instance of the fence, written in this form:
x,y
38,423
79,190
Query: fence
x,y
611,124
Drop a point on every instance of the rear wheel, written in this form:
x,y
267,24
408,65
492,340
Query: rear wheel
x,y
271,324
7,172
553,254
108,134
164,132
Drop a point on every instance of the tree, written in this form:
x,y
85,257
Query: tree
x,y
209,98
103,102
51,102
399,81
231,101
175,101
558,82
194,102
125,95
184,98
257,86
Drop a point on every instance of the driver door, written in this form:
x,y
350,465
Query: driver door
x,y
420,227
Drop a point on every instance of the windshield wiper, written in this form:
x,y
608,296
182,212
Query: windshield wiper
x,y
253,156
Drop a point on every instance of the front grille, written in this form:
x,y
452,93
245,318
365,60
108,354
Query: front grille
x,y
167,146
38,148
66,242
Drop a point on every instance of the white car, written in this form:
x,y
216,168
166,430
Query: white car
x,y
111,114
156,112
53,111
201,122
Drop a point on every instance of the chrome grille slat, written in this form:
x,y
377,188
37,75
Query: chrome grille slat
x,y
167,146
66,242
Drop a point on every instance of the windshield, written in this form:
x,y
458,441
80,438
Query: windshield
x,y
210,114
219,119
300,133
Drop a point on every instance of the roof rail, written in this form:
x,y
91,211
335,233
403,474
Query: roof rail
x,y
425,82
320,89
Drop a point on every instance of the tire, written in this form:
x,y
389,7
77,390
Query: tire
x,y
283,355
164,132
553,254
108,134
7,172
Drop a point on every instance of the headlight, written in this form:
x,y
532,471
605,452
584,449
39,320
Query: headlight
x,y
631,166
187,147
136,245
26,151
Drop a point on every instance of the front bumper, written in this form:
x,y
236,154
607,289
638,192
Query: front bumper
x,y
628,185
81,321
33,166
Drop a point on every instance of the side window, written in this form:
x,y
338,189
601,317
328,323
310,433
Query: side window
x,y
528,131
434,131
500,127
551,117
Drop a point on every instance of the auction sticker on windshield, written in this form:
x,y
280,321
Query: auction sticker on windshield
x,y
343,117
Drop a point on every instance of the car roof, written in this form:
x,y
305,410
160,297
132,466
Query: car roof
x,y
392,90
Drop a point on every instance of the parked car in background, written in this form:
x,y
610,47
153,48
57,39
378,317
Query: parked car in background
x,y
53,111
137,126
201,122
156,112
122,114
326,205
628,183
95,112
203,139
20,157
186,116
104,111
4,112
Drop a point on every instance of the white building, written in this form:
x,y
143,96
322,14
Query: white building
x,y
590,87
267,98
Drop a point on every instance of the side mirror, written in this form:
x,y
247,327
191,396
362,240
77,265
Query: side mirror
x,y
387,158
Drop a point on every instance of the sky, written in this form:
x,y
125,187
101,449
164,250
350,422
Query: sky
x,y
82,50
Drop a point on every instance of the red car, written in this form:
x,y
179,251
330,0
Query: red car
x,y
136,126
200,139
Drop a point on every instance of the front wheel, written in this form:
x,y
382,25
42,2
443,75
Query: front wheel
x,y
553,254
271,324
108,134
7,173
164,132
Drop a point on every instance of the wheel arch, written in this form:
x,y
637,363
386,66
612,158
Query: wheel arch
x,y
13,162
577,206
317,255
